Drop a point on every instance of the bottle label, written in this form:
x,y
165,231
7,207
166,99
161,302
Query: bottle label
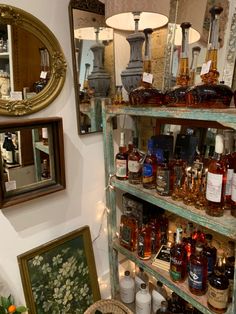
x,y
142,304
126,235
163,181
127,293
175,268
195,276
214,187
141,246
121,168
228,187
217,298
9,156
147,170
233,191
133,166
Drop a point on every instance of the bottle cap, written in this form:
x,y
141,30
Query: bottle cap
x,y
209,236
127,273
143,286
159,283
219,144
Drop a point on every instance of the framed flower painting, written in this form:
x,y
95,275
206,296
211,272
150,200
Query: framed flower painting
x,y
60,276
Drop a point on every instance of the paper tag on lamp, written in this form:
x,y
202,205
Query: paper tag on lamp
x,y
205,67
147,77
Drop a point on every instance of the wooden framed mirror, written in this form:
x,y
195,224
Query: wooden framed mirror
x,y
32,159
32,64
93,73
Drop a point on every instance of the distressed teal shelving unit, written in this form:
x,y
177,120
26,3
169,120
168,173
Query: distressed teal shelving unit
x,y
225,225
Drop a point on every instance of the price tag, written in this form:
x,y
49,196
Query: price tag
x,y
43,74
205,67
147,77
10,185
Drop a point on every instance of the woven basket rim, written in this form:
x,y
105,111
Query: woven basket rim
x,y
101,305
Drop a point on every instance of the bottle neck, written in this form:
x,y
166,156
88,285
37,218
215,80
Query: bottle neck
x,y
178,239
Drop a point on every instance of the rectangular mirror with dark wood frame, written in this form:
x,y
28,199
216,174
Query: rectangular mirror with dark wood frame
x,y
32,159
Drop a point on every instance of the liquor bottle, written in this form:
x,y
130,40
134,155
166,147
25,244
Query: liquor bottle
x,y
188,240
10,151
155,235
134,164
121,160
197,277
175,305
193,67
218,287
178,259
233,188
45,170
164,177
229,163
128,230
216,180
159,295
44,74
144,242
146,94
140,277
45,136
143,301
175,97
210,252
163,308
127,288
149,167
210,94
179,172
4,145
189,309
229,273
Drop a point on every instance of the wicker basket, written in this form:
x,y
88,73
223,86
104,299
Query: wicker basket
x,y
108,307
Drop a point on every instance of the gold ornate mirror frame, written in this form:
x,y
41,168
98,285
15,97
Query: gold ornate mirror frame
x,y
17,17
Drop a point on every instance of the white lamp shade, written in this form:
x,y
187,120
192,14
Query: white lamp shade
x,y
89,33
154,13
193,12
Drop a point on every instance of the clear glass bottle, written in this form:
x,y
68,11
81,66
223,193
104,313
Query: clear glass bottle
x,y
159,295
175,97
144,242
178,259
146,94
134,164
197,277
211,93
218,287
229,163
193,67
121,160
149,168
164,176
127,288
210,252
45,170
128,230
216,180
229,273
143,301
140,277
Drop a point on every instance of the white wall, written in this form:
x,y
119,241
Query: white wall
x,y
25,226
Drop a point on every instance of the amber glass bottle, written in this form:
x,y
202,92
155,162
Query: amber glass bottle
x,y
210,252
218,288
149,167
146,94
128,230
210,94
134,164
121,160
216,180
178,259
144,242
193,67
175,97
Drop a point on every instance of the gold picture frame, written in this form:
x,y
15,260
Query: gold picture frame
x,y
60,276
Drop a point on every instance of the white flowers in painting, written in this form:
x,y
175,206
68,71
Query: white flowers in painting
x,y
60,280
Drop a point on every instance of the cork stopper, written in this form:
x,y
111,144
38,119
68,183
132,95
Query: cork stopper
x,y
219,144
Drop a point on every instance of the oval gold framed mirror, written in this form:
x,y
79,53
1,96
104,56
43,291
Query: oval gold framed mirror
x,y
28,47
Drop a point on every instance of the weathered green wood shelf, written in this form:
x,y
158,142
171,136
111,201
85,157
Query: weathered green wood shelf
x,y
225,225
199,302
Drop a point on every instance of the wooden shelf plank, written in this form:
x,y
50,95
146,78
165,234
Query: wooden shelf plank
x,y
225,226
226,117
199,302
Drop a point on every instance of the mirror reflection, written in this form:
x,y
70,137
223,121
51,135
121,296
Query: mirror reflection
x,y
92,43
24,63
27,158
